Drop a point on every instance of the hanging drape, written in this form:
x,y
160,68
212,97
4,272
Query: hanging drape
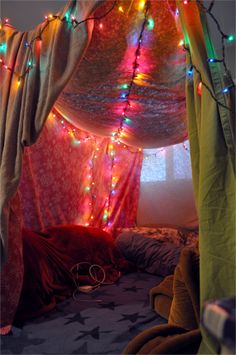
x,y
93,182
212,142
24,109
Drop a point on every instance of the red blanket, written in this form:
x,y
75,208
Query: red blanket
x,y
49,257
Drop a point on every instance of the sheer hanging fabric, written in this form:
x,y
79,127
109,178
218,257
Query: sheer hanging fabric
x,y
166,191
93,183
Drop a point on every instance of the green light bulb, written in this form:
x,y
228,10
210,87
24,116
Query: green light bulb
x,y
230,38
127,120
3,47
150,24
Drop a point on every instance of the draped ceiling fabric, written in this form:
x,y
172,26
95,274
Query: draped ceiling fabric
x,y
212,147
91,100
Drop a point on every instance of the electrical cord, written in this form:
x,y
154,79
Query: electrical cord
x,y
92,273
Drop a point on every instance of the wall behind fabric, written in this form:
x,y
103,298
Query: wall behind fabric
x,y
25,15
167,203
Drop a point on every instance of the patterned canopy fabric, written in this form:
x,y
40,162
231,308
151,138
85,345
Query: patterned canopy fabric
x,y
97,93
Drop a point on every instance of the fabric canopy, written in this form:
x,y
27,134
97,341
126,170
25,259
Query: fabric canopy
x,y
94,99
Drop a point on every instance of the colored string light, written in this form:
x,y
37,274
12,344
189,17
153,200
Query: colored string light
x,y
205,85
74,134
190,71
116,135
48,19
107,210
150,24
199,88
224,37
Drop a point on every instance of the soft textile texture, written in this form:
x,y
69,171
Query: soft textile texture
x,y
181,335
212,143
23,111
164,339
151,255
49,257
92,99
56,173
185,307
161,297
12,273
175,235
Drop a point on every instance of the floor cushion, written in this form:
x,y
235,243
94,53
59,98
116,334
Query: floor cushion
x,y
185,307
164,339
161,297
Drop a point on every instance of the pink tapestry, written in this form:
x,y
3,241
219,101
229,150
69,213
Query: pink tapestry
x,y
70,176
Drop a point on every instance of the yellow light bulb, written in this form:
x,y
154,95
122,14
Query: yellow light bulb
x,y
141,5
120,9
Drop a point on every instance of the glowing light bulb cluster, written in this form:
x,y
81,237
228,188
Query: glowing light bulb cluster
x,y
90,185
74,135
125,95
112,186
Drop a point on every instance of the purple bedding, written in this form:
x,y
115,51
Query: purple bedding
x,y
156,251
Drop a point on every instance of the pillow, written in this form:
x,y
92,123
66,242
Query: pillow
x,y
151,255
177,236
50,255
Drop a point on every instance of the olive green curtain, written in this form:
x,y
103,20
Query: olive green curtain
x,y
212,142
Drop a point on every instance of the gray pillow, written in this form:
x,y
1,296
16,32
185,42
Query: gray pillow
x,y
154,256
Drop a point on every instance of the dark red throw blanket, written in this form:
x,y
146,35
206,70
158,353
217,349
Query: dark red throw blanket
x,y
48,258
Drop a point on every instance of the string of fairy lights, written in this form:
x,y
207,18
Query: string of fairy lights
x,y
69,18
125,95
116,135
224,38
